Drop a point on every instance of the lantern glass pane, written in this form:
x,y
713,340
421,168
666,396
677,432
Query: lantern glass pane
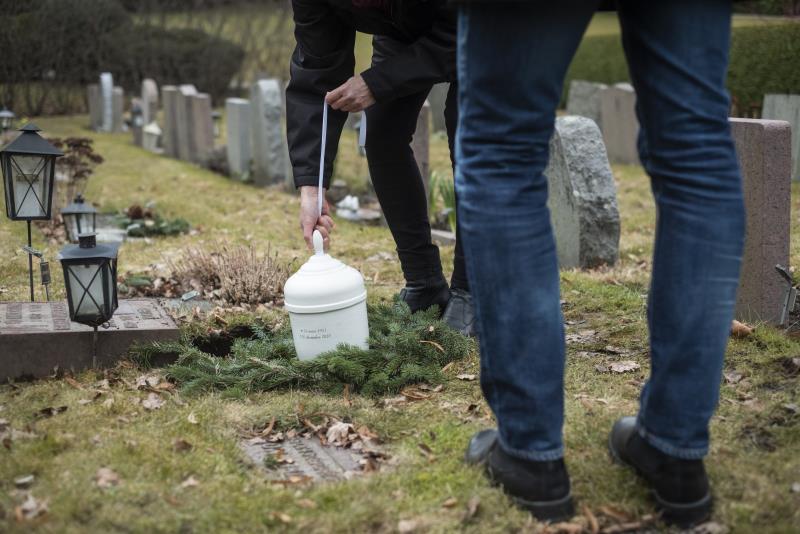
x,y
86,290
85,222
30,184
71,224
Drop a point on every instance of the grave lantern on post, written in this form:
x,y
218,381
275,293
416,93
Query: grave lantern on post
x,y
90,277
6,120
29,166
80,217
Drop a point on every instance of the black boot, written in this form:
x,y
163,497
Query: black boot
x,y
542,488
459,314
680,487
423,294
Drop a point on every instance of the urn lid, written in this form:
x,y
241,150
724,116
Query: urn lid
x,y
323,284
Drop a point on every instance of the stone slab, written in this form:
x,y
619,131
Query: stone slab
x,y
184,123
95,104
270,151
308,459
149,100
764,151
37,338
106,94
583,198
421,144
117,109
438,100
169,140
786,108
239,128
443,237
202,127
620,126
584,100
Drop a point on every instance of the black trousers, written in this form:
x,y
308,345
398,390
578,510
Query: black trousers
x,y
399,186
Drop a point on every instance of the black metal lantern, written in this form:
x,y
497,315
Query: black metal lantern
x,y
29,165
90,276
80,217
6,119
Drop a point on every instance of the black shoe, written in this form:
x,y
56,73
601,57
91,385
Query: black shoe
x,y
680,487
459,314
424,294
542,488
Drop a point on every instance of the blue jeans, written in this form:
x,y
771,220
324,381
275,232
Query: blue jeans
x,y
512,61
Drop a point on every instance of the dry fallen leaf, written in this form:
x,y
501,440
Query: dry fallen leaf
x,y
592,524
181,445
282,517
406,526
467,377
24,482
306,503
30,509
192,418
152,402
147,381
338,433
426,451
473,505
190,482
50,411
449,503
624,366
106,478
740,329
732,377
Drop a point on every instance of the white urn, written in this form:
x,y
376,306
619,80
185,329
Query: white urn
x,y
327,304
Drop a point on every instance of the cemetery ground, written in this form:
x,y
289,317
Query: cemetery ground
x,y
107,461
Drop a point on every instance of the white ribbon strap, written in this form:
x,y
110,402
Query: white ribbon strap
x,y
322,156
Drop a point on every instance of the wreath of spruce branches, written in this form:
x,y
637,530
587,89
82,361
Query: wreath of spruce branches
x,y
404,349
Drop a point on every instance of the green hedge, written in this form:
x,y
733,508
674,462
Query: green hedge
x,y
764,59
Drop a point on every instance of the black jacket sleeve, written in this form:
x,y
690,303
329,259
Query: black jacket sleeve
x,y
322,60
428,60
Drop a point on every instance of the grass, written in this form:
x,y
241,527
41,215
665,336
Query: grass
x,y
753,461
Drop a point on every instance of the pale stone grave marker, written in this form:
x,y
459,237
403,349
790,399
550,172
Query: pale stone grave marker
x,y
239,129
438,100
107,95
95,102
584,100
583,201
184,122
786,108
117,109
169,98
620,125
149,100
202,131
420,144
764,152
270,153
38,337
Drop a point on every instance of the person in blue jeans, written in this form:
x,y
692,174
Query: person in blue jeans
x,y
513,57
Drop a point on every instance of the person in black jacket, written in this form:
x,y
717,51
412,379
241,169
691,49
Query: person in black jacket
x,y
414,47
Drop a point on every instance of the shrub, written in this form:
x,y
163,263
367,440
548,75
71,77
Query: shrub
x,y
764,59
172,56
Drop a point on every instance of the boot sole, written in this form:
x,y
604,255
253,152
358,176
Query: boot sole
x,y
546,511
683,515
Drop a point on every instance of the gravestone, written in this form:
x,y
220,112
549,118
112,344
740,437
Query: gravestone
x,y
117,109
137,121
786,108
620,125
238,126
38,337
583,199
202,131
584,100
95,102
184,122
764,151
420,144
149,100
438,99
151,135
307,459
270,153
107,96
169,140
